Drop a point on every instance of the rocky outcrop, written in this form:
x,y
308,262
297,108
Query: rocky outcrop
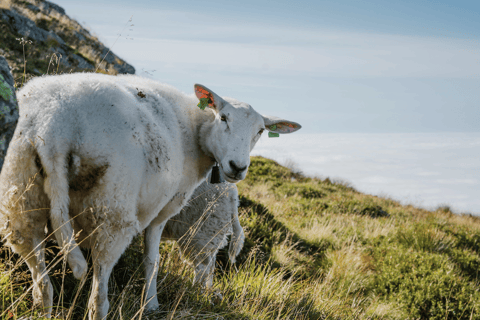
x,y
8,108
27,27
51,42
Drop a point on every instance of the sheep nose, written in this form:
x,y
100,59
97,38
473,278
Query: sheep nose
x,y
236,168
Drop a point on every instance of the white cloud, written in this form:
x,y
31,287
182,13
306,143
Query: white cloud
x,y
390,164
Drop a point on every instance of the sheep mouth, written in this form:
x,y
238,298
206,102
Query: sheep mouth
x,y
231,179
227,177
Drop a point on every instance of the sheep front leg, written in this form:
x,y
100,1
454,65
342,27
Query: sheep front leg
x,y
153,234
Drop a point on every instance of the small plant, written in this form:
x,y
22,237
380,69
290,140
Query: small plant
x,y
23,42
100,63
54,59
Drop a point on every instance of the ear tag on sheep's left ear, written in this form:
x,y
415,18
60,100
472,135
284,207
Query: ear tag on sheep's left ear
x,y
215,178
273,134
204,102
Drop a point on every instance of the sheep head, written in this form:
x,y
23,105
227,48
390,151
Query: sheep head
x,y
235,131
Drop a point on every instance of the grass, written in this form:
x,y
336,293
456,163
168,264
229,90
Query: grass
x,y
314,250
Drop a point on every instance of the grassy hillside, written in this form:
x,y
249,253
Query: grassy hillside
x,y
315,249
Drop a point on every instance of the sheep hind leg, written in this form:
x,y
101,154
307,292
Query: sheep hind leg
x,y
151,254
56,187
34,254
103,263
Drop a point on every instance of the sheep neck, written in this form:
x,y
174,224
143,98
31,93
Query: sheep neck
x,y
202,123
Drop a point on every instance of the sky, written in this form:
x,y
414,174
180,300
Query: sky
x,y
375,84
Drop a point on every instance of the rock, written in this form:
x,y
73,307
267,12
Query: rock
x,y
79,36
8,108
33,8
81,62
107,55
125,68
27,27
48,6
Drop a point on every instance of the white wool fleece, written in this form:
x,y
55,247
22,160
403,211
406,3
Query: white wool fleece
x,y
202,227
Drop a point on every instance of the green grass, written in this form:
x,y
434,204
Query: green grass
x,y
314,250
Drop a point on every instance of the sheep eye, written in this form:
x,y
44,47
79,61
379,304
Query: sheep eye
x,y
261,131
223,118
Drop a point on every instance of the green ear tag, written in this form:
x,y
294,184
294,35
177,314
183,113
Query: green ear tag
x,y
273,135
203,103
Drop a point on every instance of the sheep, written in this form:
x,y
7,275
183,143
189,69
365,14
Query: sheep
x,y
202,227
111,156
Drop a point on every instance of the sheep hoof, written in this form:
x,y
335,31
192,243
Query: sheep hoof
x,y
152,305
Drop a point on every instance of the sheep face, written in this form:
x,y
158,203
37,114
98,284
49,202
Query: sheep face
x,y
236,129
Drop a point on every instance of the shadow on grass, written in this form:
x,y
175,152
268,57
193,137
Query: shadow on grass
x,y
264,231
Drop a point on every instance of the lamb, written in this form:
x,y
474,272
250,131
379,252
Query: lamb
x,y
202,227
111,156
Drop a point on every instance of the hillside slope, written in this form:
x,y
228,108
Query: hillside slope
x,y
52,42
315,249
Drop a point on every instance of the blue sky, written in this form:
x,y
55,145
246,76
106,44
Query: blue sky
x,y
333,66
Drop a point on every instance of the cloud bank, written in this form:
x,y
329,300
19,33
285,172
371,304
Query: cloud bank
x,y
428,169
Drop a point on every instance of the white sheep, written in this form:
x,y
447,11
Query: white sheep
x,y
117,155
202,227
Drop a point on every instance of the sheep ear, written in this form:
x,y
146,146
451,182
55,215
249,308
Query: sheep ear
x,y
277,125
208,98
